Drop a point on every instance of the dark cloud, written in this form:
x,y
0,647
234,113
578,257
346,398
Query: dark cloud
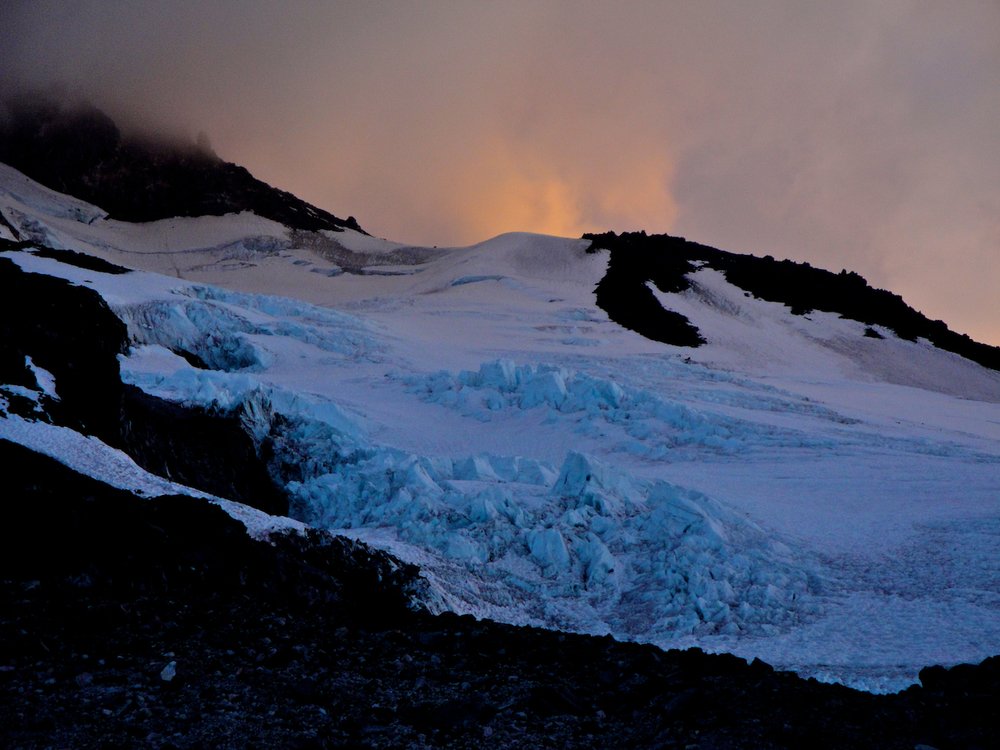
x,y
850,134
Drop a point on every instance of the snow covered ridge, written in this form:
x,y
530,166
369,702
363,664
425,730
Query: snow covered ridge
x,y
93,458
638,259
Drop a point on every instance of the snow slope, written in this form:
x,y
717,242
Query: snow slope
x,y
792,490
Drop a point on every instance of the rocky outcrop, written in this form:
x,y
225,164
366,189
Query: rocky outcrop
x,y
638,258
624,292
70,332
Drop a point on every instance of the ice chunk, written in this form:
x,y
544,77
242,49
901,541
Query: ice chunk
x,y
544,388
530,471
475,468
597,560
482,509
417,477
548,548
595,484
500,374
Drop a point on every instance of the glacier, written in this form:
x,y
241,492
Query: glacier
x,y
791,491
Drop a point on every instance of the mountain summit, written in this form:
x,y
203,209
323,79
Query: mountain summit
x,y
78,149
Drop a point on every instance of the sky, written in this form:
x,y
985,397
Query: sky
x,y
858,135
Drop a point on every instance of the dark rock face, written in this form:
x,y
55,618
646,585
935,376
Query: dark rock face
x,y
69,529
69,331
86,262
77,149
198,448
157,623
665,260
624,295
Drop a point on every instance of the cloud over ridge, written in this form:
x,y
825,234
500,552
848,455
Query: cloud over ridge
x,y
857,135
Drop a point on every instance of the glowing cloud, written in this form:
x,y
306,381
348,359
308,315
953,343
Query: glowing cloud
x,y
850,134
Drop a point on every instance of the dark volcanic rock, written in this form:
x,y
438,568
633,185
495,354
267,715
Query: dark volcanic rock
x,y
68,531
624,295
199,448
73,258
77,149
70,331
637,258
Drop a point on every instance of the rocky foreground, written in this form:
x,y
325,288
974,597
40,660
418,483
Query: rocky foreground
x,y
129,622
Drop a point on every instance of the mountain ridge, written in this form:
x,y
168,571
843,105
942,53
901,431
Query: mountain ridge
x,y
78,149
665,260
